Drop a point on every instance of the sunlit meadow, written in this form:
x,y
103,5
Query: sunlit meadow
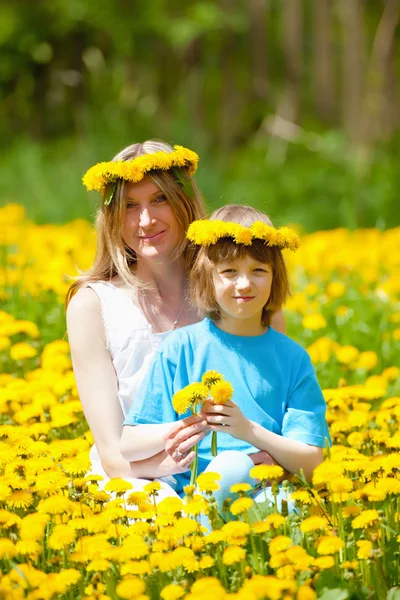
x,y
63,534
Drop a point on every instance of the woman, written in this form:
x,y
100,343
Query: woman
x,y
135,293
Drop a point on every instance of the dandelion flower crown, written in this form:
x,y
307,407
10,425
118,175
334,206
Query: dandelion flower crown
x,y
101,175
206,233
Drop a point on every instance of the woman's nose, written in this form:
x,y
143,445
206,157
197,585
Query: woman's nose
x,y
145,218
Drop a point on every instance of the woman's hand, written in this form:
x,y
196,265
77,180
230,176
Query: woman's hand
x,y
226,418
181,438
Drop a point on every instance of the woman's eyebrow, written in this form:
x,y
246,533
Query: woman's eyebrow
x,y
152,194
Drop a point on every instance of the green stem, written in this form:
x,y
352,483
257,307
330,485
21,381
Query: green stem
x,y
194,466
214,446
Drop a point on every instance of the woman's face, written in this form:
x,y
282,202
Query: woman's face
x,y
150,227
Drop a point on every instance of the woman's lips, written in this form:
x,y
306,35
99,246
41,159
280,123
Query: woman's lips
x,y
150,239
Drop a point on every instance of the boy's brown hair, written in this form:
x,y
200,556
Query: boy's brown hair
x,y
201,283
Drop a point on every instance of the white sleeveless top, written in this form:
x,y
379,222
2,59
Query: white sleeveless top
x,y
130,342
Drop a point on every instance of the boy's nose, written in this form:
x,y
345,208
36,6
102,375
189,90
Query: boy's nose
x,y
243,282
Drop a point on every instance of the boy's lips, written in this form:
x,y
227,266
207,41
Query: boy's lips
x,y
244,298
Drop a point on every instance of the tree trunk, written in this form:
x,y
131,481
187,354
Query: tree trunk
x,y
324,73
229,109
353,63
258,48
292,21
378,110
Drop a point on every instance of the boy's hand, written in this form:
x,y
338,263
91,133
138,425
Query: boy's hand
x,y
226,418
181,438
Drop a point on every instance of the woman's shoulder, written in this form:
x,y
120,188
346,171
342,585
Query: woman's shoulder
x,y
83,303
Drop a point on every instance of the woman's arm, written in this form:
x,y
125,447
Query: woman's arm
x,y
278,321
139,442
97,385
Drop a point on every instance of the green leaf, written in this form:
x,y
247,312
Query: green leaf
x,y
393,594
334,594
110,195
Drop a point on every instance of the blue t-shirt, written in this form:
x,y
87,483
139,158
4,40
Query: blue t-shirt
x,y
274,384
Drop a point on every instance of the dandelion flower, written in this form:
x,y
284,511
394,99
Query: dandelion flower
x,y
266,472
233,554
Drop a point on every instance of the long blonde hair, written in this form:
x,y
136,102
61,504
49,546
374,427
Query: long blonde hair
x,y
113,256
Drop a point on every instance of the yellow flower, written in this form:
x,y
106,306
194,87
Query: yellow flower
x,y
351,565
28,548
240,487
99,565
241,505
100,175
366,360
365,549
347,354
365,519
235,532
211,377
118,486
301,496
206,562
313,524
173,591
221,392
305,592
5,342
266,472
192,394
206,482
7,548
62,536
314,322
279,544
152,488
324,562
20,499
131,587
329,544
22,351
233,554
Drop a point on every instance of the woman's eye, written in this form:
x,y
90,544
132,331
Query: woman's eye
x,y
130,205
160,199
260,270
227,271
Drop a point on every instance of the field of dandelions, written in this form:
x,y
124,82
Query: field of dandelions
x,y
63,534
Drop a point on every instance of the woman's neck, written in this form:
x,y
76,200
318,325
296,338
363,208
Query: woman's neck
x,y
167,280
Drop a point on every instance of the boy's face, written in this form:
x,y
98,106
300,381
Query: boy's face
x,y
242,288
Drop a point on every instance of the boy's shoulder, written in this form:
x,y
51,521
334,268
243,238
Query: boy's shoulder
x,y
286,344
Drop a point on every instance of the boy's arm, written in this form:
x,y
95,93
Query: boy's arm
x,y
304,429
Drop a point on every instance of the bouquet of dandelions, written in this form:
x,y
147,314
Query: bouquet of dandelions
x,y
212,388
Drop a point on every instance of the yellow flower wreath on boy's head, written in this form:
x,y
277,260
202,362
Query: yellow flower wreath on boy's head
x,y
206,233
99,176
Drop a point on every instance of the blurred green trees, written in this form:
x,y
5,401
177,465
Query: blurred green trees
x,y
291,104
